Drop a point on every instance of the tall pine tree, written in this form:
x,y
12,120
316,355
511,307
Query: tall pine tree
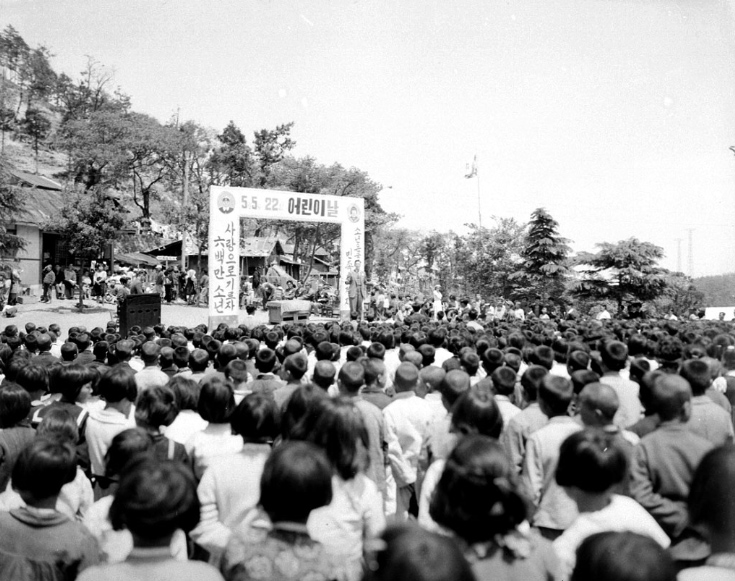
x,y
544,254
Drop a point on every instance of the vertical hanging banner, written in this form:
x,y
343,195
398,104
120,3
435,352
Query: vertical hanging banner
x,y
228,205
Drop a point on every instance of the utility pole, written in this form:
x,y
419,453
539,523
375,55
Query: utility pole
x,y
184,205
691,253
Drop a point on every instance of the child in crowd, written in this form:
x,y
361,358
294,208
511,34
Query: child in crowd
x,y
216,404
155,410
230,486
188,421
296,480
592,464
478,500
16,433
623,556
708,419
117,389
153,501
37,541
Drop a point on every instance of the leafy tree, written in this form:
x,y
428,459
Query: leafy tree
x,y
90,219
37,126
681,296
544,254
623,272
233,162
271,146
718,290
12,206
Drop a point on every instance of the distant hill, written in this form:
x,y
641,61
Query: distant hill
x,y
718,290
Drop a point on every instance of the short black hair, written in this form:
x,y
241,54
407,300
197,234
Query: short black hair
x,y
352,376
186,392
504,381
15,405
476,496
44,467
543,356
125,447
68,380
531,380
697,373
265,360
181,357
154,499
216,400
557,393
32,377
256,419
156,407
591,460
297,478
476,412
614,354
198,360
117,384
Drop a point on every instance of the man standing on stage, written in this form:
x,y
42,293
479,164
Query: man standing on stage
x,y
357,289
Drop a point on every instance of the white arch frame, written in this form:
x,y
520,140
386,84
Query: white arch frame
x,y
228,205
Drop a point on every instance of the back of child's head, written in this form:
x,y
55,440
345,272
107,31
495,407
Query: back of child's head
x,y
492,358
150,352
432,377
154,499
68,380
531,381
186,392
470,362
477,497
476,412
542,355
581,378
69,351
598,404
33,378
198,360
216,400
43,468
578,361
638,368
15,405
236,371
406,377
669,397
622,556
58,424
265,360
556,394
297,478
296,365
334,425
118,384
413,554
614,355
324,374
256,419
156,407
697,373
124,448
181,357
297,407
504,381
454,384
592,461
711,507
100,350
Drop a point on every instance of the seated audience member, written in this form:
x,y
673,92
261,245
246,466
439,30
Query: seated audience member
x,y
592,465
117,389
151,375
155,411
555,511
153,501
215,406
478,500
614,359
188,421
411,553
16,432
663,466
712,511
230,487
708,419
37,541
522,425
295,481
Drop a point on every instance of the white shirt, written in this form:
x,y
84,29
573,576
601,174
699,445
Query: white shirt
x,y
621,515
407,420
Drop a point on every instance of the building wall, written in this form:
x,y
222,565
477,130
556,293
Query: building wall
x,y
29,259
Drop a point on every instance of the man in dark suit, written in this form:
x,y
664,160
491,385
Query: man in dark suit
x,y
357,289
44,356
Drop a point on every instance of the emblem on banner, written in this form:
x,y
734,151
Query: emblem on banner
x,y
353,213
226,202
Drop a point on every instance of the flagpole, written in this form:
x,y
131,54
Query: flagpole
x,y
479,206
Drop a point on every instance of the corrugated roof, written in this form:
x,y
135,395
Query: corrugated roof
x,y
260,247
36,181
41,207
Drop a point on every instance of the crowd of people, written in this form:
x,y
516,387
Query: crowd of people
x,y
427,449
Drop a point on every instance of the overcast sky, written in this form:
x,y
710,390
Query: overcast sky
x,y
615,115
